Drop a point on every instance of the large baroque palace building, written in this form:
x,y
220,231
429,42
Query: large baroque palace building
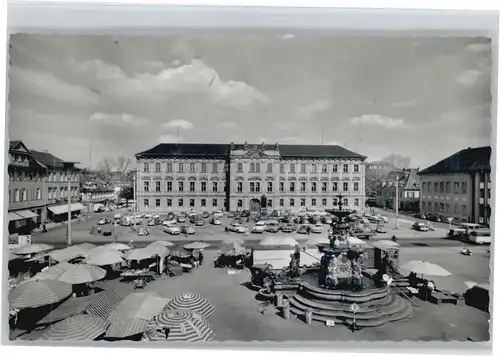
x,y
179,177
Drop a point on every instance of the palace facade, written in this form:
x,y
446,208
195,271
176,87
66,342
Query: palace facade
x,y
179,177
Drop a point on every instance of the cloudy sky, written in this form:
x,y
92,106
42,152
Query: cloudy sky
x,y
424,98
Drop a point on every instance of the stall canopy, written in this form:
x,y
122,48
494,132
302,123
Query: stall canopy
x,y
15,217
61,209
26,214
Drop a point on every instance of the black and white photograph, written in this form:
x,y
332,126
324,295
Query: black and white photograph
x,y
206,186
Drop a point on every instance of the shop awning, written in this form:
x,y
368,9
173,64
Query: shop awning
x,y
26,214
15,217
61,209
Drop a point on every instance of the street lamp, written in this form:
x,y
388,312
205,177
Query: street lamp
x,y
397,203
69,210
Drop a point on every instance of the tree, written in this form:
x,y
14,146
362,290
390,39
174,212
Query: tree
x,y
123,164
127,193
397,161
106,166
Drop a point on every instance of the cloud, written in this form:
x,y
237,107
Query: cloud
x,y
314,108
181,124
479,47
169,139
118,119
378,120
288,36
405,104
470,78
229,124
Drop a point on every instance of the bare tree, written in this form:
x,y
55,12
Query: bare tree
x,y
123,164
106,166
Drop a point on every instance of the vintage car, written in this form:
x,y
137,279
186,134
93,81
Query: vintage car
x,y
420,216
464,229
199,222
303,229
245,214
259,227
273,227
288,228
142,232
186,229
171,229
433,217
317,228
103,221
218,214
181,218
420,226
148,216
235,227
151,222
480,236
215,221
169,222
205,214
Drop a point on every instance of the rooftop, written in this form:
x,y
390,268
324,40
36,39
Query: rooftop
x,y
221,151
465,161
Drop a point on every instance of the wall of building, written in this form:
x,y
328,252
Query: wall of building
x,y
57,186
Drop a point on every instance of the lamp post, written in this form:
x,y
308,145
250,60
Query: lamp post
x,y
397,203
69,210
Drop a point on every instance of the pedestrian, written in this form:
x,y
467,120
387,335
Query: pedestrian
x,y
201,257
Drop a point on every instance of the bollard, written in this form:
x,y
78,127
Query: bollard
x,y
279,300
286,312
308,317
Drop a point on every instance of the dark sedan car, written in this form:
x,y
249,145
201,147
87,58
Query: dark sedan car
x,y
245,214
420,216
435,218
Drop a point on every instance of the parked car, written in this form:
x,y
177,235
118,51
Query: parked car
x,y
200,222
259,227
384,218
186,229
181,218
205,214
151,222
245,214
117,217
302,229
172,229
148,216
435,218
373,219
317,228
215,221
218,214
420,226
169,222
288,228
273,227
465,229
103,221
235,227
420,216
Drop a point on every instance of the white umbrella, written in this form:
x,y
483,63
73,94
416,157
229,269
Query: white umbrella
x,y
32,248
163,243
105,257
196,245
140,254
426,268
117,246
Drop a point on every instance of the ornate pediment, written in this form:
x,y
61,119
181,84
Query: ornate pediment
x,y
313,179
169,178
203,178
145,178
255,178
344,179
192,178
157,178
239,178
254,151
324,179
335,179
356,178
269,179
292,178
181,178
302,179
282,179
214,178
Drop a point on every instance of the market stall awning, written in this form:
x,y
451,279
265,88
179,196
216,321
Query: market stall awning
x,y
140,305
15,217
61,209
26,214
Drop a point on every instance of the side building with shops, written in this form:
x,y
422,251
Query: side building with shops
x,y
231,177
28,197
408,184
95,191
459,186
62,183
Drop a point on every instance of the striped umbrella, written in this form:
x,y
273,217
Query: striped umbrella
x,y
53,272
117,246
32,248
193,302
125,326
36,293
105,257
179,326
159,250
82,273
83,327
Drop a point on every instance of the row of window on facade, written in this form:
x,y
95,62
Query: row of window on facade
x,y
444,208
24,194
281,202
25,176
445,187
60,193
255,187
402,194
255,167
62,177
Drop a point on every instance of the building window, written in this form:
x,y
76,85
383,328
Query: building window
x,y
436,187
302,202
292,202
203,186
181,186
157,202
455,208
345,186
181,167
158,167
192,168
169,202
282,186
146,186
335,186
436,207
356,170
169,186
356,186
240,203
464,209
456,187
214,187
448,187
292,187
146,203
214,202
191,186
292,167
252,167
302,186
441,187
269,168
324,168
252,187
203,168
464,187
257,186
269,187
334,202
324,186
346,202
356,202
191,202
335,168
38,194
239,168
282,202
181,202
282,168
169,167
257,167
313,186
203,202
239,186
215,168
447,208
269,203
146,167
158,186
302,168
313,202
314,168
441,207
345,168
24,195
324,202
